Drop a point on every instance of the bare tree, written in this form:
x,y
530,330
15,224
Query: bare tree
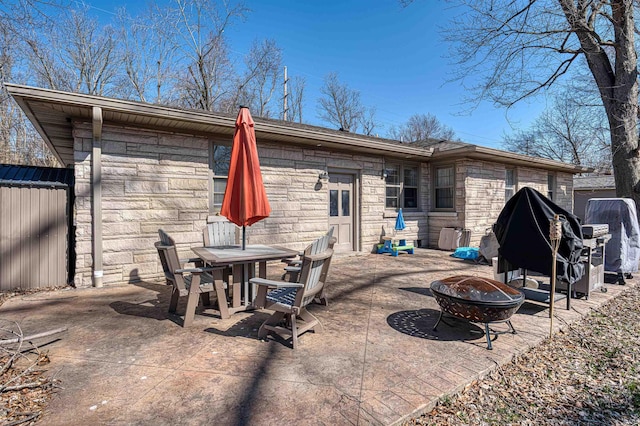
x,y
148,55
75,54
368,121
19,142
522,47
296,86
340,105
421,129
565,132
257,85
199,27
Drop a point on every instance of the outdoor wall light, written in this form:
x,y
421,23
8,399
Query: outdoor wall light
x,y
324,175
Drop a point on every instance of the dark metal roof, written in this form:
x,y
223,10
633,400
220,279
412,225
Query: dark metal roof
x,y
12,175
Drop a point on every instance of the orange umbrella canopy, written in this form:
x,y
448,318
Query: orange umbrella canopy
x,y
245,199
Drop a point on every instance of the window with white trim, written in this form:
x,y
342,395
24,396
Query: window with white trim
x,y
219,157
551,186
444,187
509,183
401,186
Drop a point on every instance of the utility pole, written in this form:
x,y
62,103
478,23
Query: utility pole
x,y
285,109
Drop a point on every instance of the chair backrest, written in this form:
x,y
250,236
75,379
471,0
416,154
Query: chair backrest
x,y
220,232
314,259
169,258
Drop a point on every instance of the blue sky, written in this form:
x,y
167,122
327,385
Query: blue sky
x,y
394,56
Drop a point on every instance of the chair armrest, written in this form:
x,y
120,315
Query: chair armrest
x,y
292,268
196,270
273,283
320,256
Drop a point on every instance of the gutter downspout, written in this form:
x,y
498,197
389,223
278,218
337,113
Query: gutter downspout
x,y
96,199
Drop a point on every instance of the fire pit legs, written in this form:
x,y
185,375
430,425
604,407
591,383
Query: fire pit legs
x,y
487,331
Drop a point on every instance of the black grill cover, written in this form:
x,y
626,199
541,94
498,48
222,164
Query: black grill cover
x,y
522,229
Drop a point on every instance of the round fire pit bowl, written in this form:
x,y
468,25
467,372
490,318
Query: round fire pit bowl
x,y
477,299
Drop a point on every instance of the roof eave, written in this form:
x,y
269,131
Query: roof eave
x,y
267,129
490,154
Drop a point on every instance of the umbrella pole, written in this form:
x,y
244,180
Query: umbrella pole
x,y
244,239
555,235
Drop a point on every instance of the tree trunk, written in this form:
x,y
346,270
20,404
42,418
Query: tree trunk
x,y
622,110
618,86
624,150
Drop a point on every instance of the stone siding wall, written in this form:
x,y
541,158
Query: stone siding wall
x,y
154,179
480,196
150,180
564,191
485,197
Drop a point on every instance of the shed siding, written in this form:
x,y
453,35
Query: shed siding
x,y
33,237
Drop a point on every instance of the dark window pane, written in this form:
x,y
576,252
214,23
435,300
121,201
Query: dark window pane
x,y
221,159
551,185
510,177
345,203
410,198
444,177
444,198
411,176
333,202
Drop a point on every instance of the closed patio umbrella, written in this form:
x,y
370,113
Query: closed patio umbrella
x,y
400,225
245,199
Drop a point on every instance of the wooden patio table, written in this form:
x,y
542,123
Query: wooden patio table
x,y
243,268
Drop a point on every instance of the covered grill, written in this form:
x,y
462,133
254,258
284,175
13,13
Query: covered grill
x,y
623,250
522,230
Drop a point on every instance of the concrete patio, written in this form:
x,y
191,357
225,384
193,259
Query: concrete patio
x,y
123,360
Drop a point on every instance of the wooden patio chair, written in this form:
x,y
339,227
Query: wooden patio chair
x,y
196,283
220,232
289,300
295,266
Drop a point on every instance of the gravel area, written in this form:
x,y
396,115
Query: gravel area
x,y
589,374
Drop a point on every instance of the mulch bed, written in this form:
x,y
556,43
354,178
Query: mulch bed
x,y
588,374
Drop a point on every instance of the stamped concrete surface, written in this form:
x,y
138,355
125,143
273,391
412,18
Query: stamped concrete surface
x,y
124,360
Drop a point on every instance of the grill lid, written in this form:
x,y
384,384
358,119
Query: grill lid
x,y
477,289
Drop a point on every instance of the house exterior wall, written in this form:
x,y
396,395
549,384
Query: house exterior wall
x,y
480,196
154,179
150,180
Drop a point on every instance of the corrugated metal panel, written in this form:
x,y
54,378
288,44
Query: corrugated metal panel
x,y
33,237
35,176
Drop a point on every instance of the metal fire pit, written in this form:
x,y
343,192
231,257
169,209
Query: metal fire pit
x,y
476,299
